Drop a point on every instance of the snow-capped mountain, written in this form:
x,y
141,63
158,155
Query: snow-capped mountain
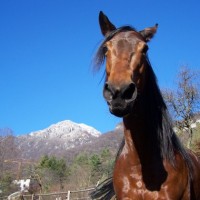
x,y
55,139
66,129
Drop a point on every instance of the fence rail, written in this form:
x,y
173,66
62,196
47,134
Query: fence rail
x,y
82,194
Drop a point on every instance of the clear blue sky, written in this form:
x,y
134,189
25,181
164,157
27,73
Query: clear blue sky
x,y
46,49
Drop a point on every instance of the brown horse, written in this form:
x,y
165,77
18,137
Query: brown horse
x,y
151,163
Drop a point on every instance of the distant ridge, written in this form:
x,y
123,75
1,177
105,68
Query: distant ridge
x,y
67,139
56,139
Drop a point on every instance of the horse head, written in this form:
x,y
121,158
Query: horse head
x,y
124,50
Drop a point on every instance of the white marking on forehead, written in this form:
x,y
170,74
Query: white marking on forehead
x,y
126,185
122,39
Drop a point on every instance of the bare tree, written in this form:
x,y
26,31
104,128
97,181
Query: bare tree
x,y
8,149
183,102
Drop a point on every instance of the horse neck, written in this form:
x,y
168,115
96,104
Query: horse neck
x,y
142,149
140,144
141,127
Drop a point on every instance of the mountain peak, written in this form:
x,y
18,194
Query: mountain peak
x,y
56,138
66,128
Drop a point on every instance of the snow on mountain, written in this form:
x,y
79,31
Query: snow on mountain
x,y
56,138
65,129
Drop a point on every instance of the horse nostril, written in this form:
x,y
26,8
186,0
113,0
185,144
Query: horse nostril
x,y
128,91
111,92
107,91
106,86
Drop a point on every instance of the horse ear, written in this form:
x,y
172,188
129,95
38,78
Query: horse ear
x,y
105,24
148,33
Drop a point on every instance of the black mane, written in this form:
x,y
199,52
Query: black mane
x,y
161,125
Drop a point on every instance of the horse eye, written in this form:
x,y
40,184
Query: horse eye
x,y
105,49
145,49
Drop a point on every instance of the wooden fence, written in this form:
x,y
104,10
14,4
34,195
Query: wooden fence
x,y
69,195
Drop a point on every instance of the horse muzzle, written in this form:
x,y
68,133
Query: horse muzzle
x,y
120,99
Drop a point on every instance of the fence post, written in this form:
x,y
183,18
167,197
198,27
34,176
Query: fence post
x,y
68,195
